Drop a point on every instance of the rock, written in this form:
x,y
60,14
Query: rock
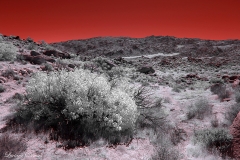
x,y
57,54
234,77
34,59
235,131
34,53
146,69
71,65
226,99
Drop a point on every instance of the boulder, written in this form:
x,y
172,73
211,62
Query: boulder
x,y
57,54
235,131
34,53
146,69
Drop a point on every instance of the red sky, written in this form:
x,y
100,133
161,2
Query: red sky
x,y
60,20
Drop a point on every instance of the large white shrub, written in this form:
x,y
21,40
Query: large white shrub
x,y
87,96
7,51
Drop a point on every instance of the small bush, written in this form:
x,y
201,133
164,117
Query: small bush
x,y
9,145
2,88
232,112
48,67
80,106
199,109
216,80
9,73
7,52
215,138
176,88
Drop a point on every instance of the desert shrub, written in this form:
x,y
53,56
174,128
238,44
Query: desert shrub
x,y
7,52
79,105
215,138
32,46
152,114
176,88
232,112
10,146
46,45
165,150
2,88
220,90
199,109
48,67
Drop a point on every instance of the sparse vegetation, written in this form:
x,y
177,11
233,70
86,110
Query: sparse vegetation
x,y
215,138
199,109
10,146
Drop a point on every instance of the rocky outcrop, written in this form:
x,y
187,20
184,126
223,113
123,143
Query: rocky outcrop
x,y
34,53
37,59
57,54
235,131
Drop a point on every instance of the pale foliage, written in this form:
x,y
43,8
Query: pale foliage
x,y
87,94
7,51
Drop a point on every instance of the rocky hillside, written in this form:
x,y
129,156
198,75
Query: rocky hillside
x,y
124,46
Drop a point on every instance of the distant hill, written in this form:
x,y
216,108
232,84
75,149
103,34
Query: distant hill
x,y
125,46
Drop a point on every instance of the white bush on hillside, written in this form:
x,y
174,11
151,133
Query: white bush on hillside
x,y
87,95
7,51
